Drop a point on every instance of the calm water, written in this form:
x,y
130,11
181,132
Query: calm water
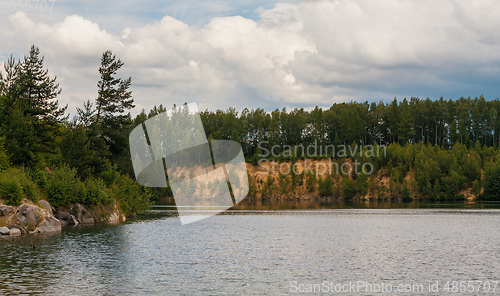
x,y
258,252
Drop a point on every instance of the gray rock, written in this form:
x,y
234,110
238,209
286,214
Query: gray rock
x,y
62,216
49,224
6,210
46,206
87,220
27,216
81,214
114,217
66,218
78,211
15,231
72,220
4,231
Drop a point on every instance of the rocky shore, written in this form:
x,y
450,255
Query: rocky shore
x,y
41,217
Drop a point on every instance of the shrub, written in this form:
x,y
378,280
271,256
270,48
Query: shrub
x,y
492,186
64,187
476,187
4,159
132,197
16,184
311,181
348,188
325,186
11,191
96,192
405,193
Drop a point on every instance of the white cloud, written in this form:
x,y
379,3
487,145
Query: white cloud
x,y
297,54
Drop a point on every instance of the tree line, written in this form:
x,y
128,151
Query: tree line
x,y
441,122
41,145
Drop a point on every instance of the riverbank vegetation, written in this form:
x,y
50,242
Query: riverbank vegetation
x,y
442,149
404,173
46,155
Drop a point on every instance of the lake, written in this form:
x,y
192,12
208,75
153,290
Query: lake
x,y
258,249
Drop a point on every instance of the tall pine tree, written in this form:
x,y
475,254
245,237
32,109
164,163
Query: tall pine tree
x,y
113,100
30,112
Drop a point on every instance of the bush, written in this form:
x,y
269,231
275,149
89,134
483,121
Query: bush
x,y
16,184
11,191
64,187
4,160
96,192
348,188
325,186
311,181
133,198
476,187
405,193
492,186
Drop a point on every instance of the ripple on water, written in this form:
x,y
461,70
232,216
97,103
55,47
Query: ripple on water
x,y
255,252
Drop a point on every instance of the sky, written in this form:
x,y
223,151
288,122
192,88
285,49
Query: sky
x,y
263,54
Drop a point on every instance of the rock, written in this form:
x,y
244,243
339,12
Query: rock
x,y
81,214
15,231
114,217
62,216
27,216
46,206
66,218
87,220
72,220
6,210
49,224
4,231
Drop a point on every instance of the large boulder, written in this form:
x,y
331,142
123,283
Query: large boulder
x,y
6,210
4,231
27,216
34,219
49,224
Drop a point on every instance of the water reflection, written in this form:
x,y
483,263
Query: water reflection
x,y
342,204
255,251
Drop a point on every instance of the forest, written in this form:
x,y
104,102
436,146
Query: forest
x,y
436,149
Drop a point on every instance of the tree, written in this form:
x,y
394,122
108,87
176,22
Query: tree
x,y
492,186
114,98
348,188
30,114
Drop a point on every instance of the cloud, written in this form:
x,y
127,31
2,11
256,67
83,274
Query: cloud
x,y
301,54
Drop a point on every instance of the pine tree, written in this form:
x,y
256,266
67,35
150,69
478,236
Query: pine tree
x,y
29,113
114,98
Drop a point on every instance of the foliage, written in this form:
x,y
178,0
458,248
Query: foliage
x,y
29,114
311,181
16,184
64,187
405,193
4,159
132,197
96,192
325,186
476,187
348,189
492,186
